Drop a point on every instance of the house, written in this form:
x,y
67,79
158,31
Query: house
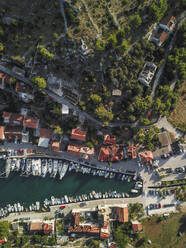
x,y
111,153
132,151
2,136
146,156
65,109
122,214
13,118
147,74
24,92
163,30
41,228
55,146
109,139
3,79
137,226
116,92
80,151
78,134
13,133
31,122
3,241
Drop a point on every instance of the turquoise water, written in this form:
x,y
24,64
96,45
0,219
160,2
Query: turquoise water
x,y
28,190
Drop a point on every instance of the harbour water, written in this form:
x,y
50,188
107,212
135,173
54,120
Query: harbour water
x,y
28,190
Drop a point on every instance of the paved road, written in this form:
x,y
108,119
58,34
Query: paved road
x,y
61,4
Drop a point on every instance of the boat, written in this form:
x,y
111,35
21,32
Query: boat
x,y
44,168
55,168
50,166
64,170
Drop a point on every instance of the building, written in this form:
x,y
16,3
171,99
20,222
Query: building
x,y
132,151
45,136
111,153
116,92
137,226
163,30
24,92
122,214
3,79
55,146
146,156
147,74
3,241
13,133
109,139
2,136
41,228
12,119
65,109
31,122
78,134
81,151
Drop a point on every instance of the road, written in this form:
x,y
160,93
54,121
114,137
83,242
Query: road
x,y
180,20
61,4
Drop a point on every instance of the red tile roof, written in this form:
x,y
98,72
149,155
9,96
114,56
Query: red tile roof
x,y
78,134
2,133
122,214
104,235
46,133
76,218
137,226
47,229
30,122
21,87
132,151
55,145
14,118
111,153
84,229
3,241
109,139
80,151
146,156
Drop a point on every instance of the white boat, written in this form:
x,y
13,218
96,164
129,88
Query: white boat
x,y
55,168
64,170
50,166
44,168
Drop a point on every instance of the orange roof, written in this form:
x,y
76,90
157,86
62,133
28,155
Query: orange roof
x,y
2,75
78,150
146,156
55,145
2,241
104,235
30,122
13,118
111,153
21,87
47,229
137,226
122,214
2,133
109,139
84,229
46,133
132,151
78,134
36,226
76,218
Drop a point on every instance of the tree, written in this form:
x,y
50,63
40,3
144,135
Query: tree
x,y
40,82
135,21
12,80
58,130
100,45
1,47
157,9
1,31
103,114
95,98
45,53
120,237
4,229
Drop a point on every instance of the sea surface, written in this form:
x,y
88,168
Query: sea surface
x,y
29,190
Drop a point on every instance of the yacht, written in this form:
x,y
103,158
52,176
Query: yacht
x,y
55,168
44,168
64,170
50,166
